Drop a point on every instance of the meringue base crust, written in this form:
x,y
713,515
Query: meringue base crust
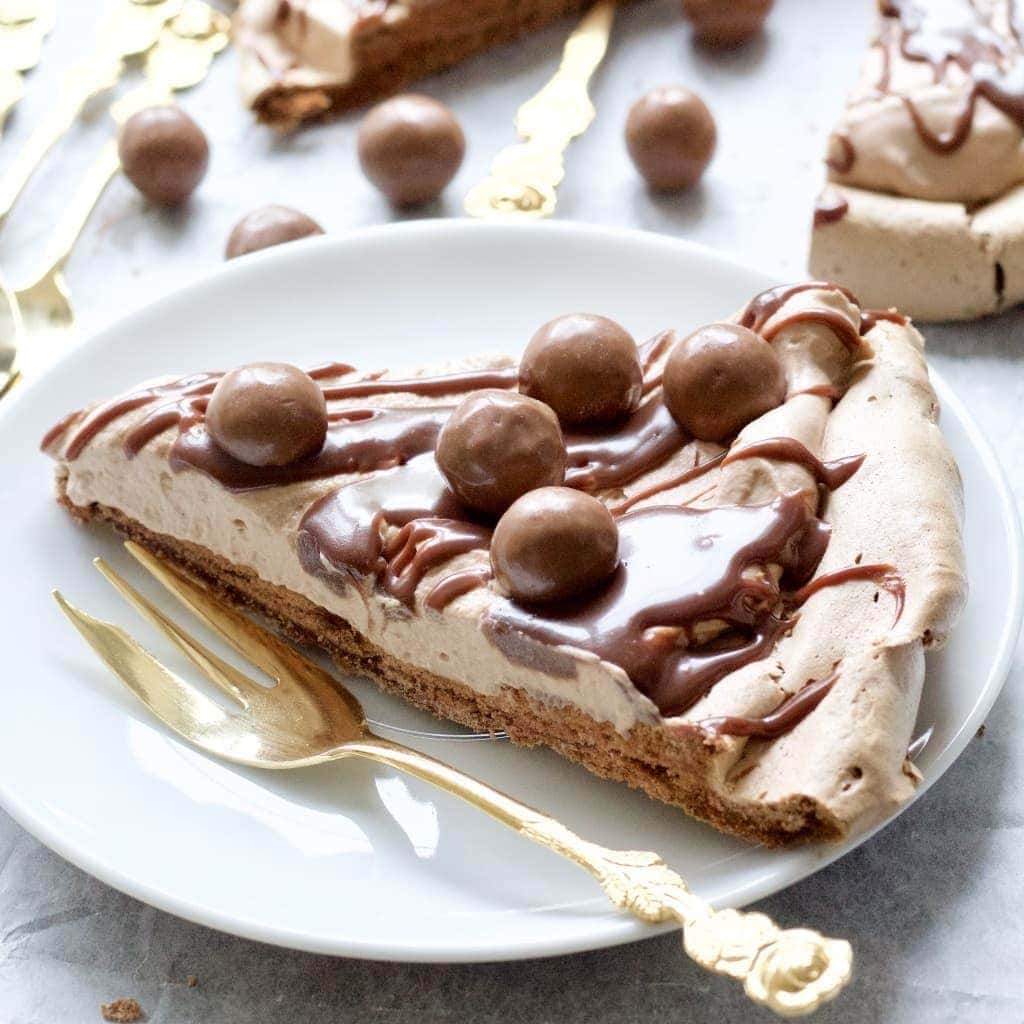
x,y
933,260
673,766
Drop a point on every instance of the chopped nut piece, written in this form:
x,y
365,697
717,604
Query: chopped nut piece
x,y
122,1011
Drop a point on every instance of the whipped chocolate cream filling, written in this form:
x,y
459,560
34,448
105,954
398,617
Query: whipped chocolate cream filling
x,y
680,568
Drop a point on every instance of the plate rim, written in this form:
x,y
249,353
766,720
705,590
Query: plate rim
x,y
626,929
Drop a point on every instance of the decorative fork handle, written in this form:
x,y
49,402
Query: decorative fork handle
x,y
524,176
792,971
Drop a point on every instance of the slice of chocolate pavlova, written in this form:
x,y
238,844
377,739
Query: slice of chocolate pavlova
x,y
708,566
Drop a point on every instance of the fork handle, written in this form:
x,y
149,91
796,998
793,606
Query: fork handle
x,y
791,971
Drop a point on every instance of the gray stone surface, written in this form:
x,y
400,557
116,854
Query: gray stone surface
x,y
934,905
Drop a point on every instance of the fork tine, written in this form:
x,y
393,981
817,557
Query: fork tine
x,y
182,707
232,682
253,642
293,672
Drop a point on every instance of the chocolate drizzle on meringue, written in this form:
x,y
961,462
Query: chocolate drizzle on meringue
x,y
445,384
691,601
612,457
960,35
358,441
830,207
764,306
887,577
870,318
177,392
832,474
789,714
844,156
342,536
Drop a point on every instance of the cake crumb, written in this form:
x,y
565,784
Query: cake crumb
x,y
191,981
122,1011
981,731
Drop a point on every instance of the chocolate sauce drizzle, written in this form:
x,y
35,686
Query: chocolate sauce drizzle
x,y
870,318
764,306
829,391
887,577
680,569
447,589
58,430
790,713
788,449
341,537
358,441
183,404
612,458
179,392
445,384
694,472
183,413
829,208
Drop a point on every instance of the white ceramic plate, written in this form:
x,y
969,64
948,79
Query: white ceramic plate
x,y
352,859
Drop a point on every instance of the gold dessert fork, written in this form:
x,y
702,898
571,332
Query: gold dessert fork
x,y
309,718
